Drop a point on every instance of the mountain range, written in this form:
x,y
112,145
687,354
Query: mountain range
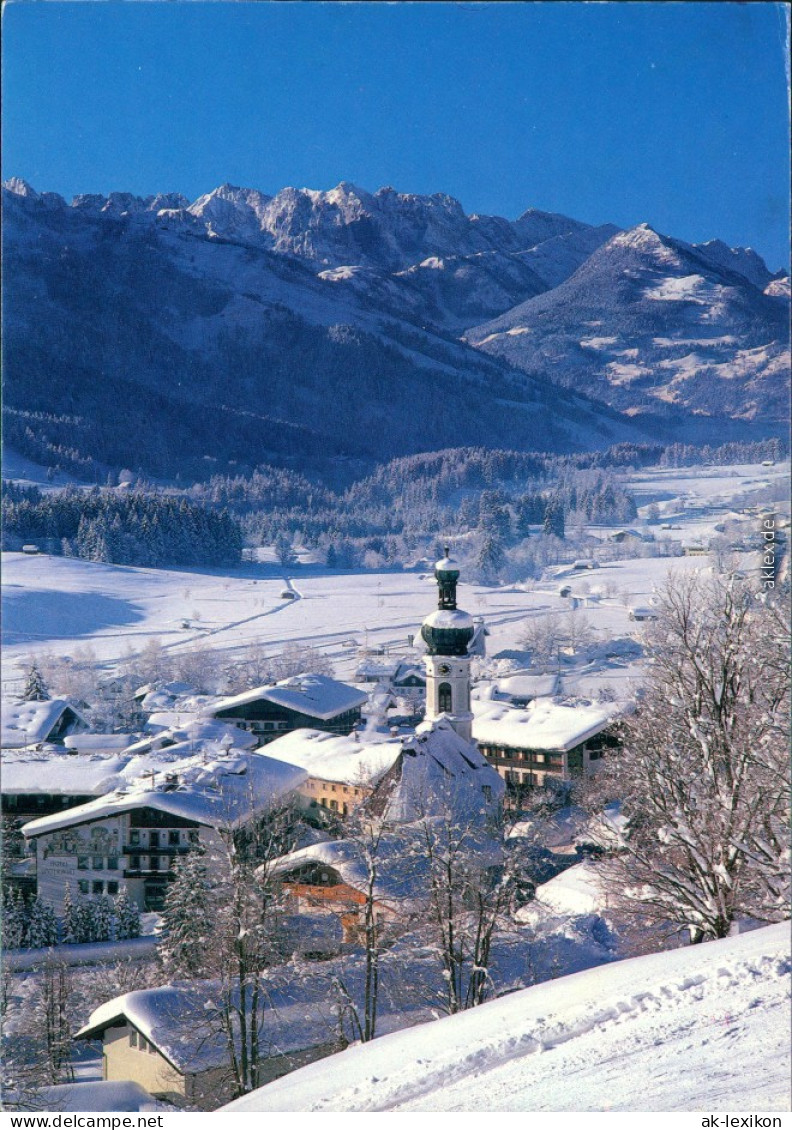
x,y
179,338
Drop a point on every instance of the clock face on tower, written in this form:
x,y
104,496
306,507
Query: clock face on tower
x,y
444,668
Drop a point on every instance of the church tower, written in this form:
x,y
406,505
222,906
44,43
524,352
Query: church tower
x,y
447,634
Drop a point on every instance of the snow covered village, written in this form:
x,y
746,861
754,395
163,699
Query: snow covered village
x,y
395,596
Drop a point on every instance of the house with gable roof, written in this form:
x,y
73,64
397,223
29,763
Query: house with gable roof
x,y
302,701
132,836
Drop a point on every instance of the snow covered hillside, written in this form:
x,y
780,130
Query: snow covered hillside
x,y
268,309
694,1029
652,324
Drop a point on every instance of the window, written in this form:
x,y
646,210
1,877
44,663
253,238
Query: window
x,y
112,863
97,887
134,862
142,1043
154,863
134,837
133,1043
97,862
82,862
112,888
173,838
82,886
444,704
193,837
154,839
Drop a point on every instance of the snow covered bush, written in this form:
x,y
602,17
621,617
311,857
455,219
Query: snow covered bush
x,y
703,772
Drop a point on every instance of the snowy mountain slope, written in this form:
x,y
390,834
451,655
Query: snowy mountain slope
x,y
649,323
386,229
127,317
151,323
695,1029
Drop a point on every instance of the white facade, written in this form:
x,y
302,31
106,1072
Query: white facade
x,y
448,692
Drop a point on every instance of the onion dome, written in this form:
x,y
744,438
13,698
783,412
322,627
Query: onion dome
x,y
448,632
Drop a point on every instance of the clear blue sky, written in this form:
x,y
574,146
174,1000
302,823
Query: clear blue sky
x,y
672,113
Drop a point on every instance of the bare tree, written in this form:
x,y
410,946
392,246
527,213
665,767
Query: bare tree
x,y
703,769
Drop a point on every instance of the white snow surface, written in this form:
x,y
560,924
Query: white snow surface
x,y
224,791
540,725
701,1028
27,723
335,757
316,695
100,1095
449,618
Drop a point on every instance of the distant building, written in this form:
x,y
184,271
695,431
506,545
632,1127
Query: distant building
x,y
304,701
641,612
132,836
170,1043
32,723
522,689
341,771
545,742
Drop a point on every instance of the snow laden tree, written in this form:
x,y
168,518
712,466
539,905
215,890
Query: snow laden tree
x,y
16,920
42,925
467,899
188,919
35,687
490,556
127,917
372,841
703,773
247,939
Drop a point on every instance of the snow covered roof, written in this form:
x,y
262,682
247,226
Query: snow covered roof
x,y
449,618
103,1095
28,723
529,686
376,668
194,729
97,771
334,757
98,743
315,695
540,725
407,670
401,869
68,774
437,770
225,791
182,1022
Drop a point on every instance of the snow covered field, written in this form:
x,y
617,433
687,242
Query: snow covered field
x,y
58,605
703,1028
54,604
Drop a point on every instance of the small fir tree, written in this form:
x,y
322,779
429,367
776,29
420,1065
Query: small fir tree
x,y
43,927
68,919
127,917
35,687
15,920
82,922
187,918
102,924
